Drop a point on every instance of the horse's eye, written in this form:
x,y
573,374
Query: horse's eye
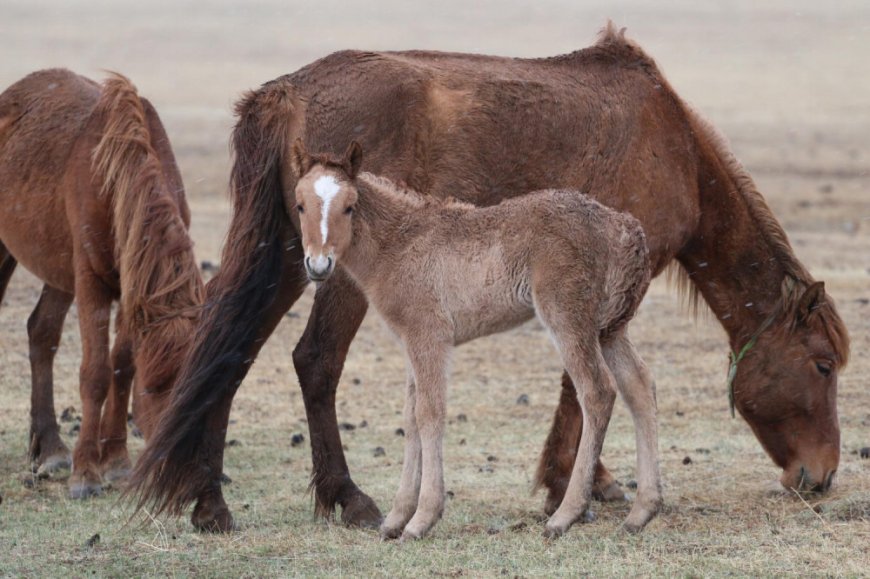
x,y
824,368
349,210
300,209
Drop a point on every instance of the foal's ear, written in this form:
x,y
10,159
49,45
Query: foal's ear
x,y
812,300
353,159
300,160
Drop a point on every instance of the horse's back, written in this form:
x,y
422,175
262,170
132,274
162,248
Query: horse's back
x,y
481,128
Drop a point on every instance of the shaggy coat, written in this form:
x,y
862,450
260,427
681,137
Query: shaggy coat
x,y
91,202
442,273
602,120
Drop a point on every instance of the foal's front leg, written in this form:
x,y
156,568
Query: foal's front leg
x,y
405,502
94,303
429,361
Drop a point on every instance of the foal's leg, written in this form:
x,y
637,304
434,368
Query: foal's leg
x,y
114,459
560,449
94,302
429,360
339,308
44,327
638,390
405,502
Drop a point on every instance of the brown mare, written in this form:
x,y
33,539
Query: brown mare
x,y
601,120
91,202
442,273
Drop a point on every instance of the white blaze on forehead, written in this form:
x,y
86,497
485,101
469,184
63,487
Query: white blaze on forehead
x,y
326,187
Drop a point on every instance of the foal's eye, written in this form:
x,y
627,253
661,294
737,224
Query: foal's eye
x,y
300,209
824,368
349,210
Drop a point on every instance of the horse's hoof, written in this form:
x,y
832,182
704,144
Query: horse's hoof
x,y
82,488
408,536
554,532
390,533
612,493
208,520
56,462
361,511
117,470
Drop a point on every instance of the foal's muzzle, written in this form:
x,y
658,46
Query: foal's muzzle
x,y
319,268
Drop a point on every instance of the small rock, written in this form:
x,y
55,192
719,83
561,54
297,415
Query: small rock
x,y
363,424
379,451
687,460
632,484
208,266
492,458
225,479
523,400
863,301
680,413
702,450
865,452
68,414
450,494
291,315
346,426
356,381
400,432
462,418
297,439
462,442
233,442
93,541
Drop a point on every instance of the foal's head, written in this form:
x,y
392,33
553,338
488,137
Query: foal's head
x,y
325,199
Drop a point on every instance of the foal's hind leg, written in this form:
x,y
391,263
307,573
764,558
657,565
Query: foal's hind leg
x,y
47,451
114,460
94,302
560,449
638,390
405,502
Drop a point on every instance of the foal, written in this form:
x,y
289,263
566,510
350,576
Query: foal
x,y
442,273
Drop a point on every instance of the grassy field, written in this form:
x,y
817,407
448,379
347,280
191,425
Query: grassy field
x,y
789,84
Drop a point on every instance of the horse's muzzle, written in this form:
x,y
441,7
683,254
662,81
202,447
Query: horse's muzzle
x,y
319,268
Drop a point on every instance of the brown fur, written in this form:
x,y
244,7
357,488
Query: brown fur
x,y
99,214
442,273
602,120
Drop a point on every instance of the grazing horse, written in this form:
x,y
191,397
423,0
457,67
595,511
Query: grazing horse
x,y
443,273
602,120
92,203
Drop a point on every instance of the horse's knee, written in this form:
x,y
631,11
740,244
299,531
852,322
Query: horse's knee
x,y
94,381
313,369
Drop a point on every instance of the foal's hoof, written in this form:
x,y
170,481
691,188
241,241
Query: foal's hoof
x,y
557,529
390,533
361,511
212,519
83,487
408,536
45,467
611,493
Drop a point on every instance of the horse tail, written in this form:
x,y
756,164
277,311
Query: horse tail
x,y
171,472
161,288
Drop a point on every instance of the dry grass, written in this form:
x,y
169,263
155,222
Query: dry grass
x,y
775,81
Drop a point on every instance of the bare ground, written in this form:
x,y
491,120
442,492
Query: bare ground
x,y
788,83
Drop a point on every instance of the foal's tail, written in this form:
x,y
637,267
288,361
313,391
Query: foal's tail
x,y
171,472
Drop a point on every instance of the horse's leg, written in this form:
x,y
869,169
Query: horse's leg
x,y
339,308
557,458
211,512
114,459
94,302
636,385
44,327
405,502
7,268
429,360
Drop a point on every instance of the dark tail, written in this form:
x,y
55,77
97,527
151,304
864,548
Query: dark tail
x,y
171,472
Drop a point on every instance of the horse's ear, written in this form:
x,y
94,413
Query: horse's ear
x,y
812,300
300,160
353,159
